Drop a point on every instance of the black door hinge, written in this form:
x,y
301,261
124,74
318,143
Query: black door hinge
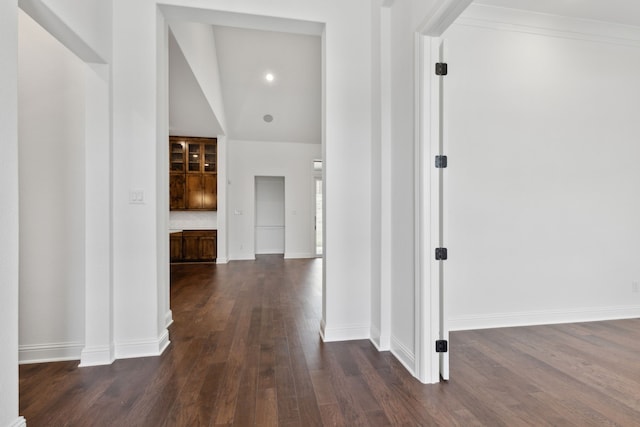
x,y
441,254
442,69
441,346
441,162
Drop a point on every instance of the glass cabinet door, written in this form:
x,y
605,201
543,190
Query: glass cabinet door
x,y
176,156
210,158
195,157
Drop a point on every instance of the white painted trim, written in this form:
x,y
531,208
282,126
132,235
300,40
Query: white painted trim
x,y
377,340
299,255
19,422
386,212
97,356
503,19
427,276
242,258
441,16
222,260
547,317
55,26
143,348
168,319
51,352
344,333
404,355
387,3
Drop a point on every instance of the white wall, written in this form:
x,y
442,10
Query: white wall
x,y
140,241
405,18
542,187
51,164
197,44
84,27
9,220
294,162
189,112
402,183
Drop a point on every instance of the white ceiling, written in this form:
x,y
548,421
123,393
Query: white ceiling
x,y
189,112
245,56
293,98
625,12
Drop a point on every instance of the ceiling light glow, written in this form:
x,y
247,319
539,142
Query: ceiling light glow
x,y
269,77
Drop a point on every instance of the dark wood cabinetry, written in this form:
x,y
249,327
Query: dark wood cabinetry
x,y
193,173
194,246
175,246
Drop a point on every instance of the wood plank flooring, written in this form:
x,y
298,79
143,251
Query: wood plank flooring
x,y
246,351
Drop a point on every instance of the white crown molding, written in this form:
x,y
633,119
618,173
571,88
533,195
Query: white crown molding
x,y
441,15
503,19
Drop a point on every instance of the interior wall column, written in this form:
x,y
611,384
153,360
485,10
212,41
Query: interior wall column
x,y
9,221
99,346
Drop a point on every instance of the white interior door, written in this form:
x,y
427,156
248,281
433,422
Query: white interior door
x,y
270,221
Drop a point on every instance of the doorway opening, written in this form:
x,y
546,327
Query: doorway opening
x,y
270,224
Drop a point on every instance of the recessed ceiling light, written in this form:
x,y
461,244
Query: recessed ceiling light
x,y
268,118
269,77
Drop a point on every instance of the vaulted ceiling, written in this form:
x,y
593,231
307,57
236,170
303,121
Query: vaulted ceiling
x,y
291,102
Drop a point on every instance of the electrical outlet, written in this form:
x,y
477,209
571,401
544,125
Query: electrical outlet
x,y
635,287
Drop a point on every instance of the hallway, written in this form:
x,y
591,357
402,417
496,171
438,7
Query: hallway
x,y
246,351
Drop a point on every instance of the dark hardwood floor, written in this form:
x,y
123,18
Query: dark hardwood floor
x,y
246,351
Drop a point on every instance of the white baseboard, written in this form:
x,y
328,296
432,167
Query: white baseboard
x,y
378,340
20,422
299,255
168,319
344,333
244,257
143,348
52,352
222,260
97,356
404,355
547,317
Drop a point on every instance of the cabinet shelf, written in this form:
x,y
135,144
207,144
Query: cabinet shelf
x,y
193,183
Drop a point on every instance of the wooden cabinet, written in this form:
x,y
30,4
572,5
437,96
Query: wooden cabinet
x,y
177,190
193,173
194,246
175,246
201,192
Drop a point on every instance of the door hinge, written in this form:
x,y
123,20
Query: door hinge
x,y
441,346
441,162
441,254
442,69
